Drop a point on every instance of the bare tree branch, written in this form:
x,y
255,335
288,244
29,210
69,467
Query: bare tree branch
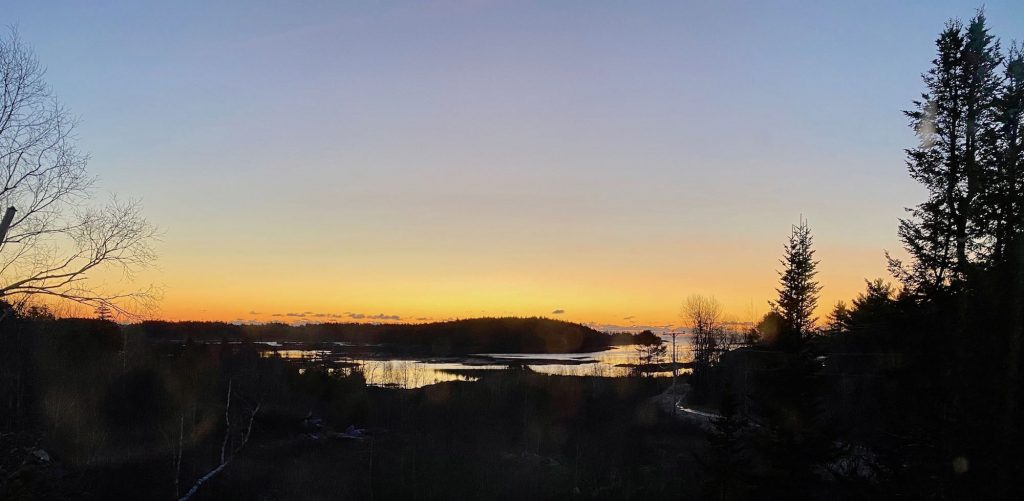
x,y
225,459
58,242
703,314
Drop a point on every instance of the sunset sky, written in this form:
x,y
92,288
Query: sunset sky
x,y
591,161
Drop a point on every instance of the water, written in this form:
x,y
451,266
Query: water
x,y
382,370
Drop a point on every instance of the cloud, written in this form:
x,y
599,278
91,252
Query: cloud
x,y
657,329
737,324
558,312
631,317
379,316
254,312
309,315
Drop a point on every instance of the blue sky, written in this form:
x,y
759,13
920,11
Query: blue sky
x,y
463,157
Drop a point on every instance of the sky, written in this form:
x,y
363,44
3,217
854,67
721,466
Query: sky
x,y
592,161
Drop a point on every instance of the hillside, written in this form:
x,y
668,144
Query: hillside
x,y
477,335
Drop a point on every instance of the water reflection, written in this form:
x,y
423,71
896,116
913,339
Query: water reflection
x,y
379,370
411,373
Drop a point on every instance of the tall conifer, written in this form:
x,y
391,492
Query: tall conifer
x,y
798,291
954,119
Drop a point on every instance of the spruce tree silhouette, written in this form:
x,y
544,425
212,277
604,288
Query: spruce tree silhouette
x,y
798,290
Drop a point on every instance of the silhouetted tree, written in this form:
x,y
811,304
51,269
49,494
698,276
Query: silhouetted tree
x,y
767,330
649,354
1006,216
965,280
954,120
39,312
103,312
1003,198
879,294
798,291
838,318
872,315
703,314
56,242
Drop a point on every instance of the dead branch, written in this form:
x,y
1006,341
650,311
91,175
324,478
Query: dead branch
x,y
225,459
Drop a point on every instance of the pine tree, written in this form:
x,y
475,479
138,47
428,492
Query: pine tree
x,y
1005,158
962,246
1007,205
103,312
954,119
981,60
798,294
839,318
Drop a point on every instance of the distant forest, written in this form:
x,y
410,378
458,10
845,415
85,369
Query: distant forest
x,y
456,337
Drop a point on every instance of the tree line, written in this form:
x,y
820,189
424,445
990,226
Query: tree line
x,y
912,390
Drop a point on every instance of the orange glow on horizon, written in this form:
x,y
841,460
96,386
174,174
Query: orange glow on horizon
x,y
645,287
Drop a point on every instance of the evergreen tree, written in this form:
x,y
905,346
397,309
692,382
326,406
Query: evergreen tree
x,y
954,120
839,318
1006,202
103,312
767,330
964,275
872,309
798,294
792,441
1004,198
981,61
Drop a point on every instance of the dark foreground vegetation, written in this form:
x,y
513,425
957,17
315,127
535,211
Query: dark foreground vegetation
x,y
913,391
90,412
